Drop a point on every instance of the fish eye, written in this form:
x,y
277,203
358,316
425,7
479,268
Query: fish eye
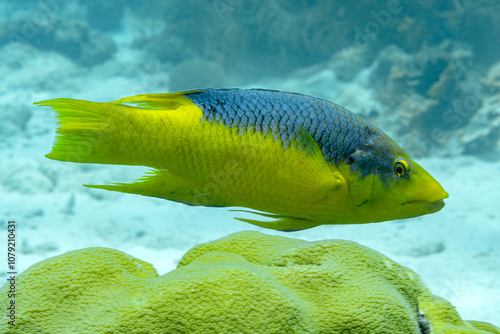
x,y
402,168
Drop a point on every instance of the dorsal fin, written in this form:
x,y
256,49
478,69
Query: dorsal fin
x,y
167,101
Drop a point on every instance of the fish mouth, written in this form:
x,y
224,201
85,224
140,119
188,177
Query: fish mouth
x,y
427,206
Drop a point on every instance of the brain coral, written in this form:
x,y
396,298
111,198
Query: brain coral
x,y
247,282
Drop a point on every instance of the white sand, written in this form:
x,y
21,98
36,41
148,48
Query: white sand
x,y
456,251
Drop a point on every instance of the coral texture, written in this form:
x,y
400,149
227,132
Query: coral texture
x,y
247,282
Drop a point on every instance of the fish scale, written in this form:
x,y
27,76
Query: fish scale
x,y
276,110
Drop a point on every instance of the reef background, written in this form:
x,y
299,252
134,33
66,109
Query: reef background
x,y
427,73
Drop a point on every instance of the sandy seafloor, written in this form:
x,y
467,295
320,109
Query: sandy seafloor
x,y
456,251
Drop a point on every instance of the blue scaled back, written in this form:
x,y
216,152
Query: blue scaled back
x,y
341,135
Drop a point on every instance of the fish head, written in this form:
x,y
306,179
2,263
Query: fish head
x,y
386,184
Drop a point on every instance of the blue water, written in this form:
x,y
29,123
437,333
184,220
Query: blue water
x,y
427,73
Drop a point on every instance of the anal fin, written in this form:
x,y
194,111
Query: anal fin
x,y
163,184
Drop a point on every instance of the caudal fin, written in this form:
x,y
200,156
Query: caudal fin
x,y
86,130
116,132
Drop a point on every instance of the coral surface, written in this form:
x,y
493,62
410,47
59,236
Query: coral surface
x,y
247,282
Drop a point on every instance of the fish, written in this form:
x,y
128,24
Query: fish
x,y
297,160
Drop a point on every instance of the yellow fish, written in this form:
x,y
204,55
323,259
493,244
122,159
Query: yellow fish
x,y
301,160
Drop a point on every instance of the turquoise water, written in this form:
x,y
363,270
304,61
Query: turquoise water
x,y
428,74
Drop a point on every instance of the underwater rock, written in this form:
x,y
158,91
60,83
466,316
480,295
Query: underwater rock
x,y
437,96
268,38
74,39
255,39
481,136
247,282
428,90
474,22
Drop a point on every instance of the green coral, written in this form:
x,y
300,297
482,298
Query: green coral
x,y
248,282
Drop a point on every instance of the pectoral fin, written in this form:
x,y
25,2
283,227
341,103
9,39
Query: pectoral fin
x,y
316,175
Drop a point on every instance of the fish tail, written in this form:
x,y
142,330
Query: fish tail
x,y
87,131
122,132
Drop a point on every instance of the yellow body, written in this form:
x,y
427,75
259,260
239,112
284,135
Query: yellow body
x,y
199,162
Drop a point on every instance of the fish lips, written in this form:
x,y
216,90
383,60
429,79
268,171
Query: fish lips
x,y
427,206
